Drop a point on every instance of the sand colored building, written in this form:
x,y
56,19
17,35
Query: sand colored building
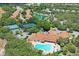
x,y
1,12
28,14
2,46
15,14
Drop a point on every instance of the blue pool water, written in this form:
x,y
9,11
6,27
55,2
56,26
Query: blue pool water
x,y
43,47
13,26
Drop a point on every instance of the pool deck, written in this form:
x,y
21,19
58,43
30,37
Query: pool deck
x,y
55,47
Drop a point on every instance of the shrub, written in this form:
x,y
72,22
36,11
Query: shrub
x,y
64,50
71,48
63,42
76,42
20,48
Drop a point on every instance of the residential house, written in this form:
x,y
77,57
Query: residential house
x,y
39,36
28,14
50,36
3,42
15,14
64,34
1,12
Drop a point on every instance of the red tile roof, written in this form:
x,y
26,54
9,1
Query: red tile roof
x,y
28,13
50,36
15,14
63,34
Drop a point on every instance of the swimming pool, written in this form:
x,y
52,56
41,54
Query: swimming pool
x,y
47,47
44,47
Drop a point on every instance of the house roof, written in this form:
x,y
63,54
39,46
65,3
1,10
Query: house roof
x,y
1,11
51,32
52,36
64,34
2,43
40,36
28,13
15,14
